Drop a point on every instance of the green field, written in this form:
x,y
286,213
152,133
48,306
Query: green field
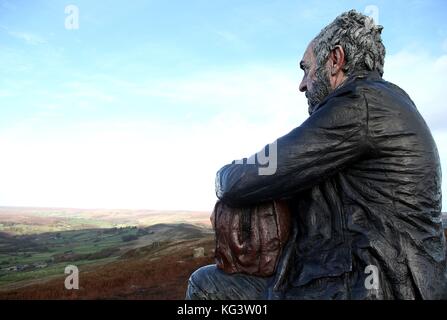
x,y
44,255
37,244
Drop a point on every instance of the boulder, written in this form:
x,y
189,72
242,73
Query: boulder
x,y
199,252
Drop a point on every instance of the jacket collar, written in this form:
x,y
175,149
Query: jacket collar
x,y
347,86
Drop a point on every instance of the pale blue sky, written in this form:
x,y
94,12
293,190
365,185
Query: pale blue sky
x,y
147,99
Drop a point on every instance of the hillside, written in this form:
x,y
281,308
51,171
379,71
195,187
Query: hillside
x,y
148,272
118,252
116,262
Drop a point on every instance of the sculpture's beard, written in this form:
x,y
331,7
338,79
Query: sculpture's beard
x,y
321,88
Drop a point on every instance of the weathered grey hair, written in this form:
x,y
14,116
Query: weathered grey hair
x,y
359,37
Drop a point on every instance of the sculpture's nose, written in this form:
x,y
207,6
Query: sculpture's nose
x,y
303,86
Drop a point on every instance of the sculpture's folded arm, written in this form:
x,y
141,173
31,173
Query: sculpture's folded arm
x,y
329,140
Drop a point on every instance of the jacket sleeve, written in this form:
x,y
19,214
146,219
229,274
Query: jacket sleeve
x,y
329,140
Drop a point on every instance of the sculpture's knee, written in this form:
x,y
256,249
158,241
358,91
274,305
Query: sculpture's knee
x,y
210,283
200,283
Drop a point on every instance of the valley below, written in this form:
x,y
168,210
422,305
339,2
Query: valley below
x,y
120,254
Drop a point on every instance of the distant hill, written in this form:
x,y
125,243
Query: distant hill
x,y
22,221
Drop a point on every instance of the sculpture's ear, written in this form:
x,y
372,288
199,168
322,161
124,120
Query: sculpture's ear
x,y
337,60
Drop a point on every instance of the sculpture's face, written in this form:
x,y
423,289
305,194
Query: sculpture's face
x,y
308,64
316,83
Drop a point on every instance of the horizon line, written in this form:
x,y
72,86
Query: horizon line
x,y
97,208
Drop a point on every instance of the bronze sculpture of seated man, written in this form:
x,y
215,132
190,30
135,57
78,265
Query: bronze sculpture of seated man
x,y
361,178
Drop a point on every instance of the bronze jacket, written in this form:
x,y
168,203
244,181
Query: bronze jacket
x,y
362,178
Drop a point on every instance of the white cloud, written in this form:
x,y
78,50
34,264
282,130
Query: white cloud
x,y
253,92
171,165
444,45
423,77
150,163
78,90
28,37
5,93
134,165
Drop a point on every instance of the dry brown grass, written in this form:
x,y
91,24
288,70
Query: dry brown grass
x,y
160,275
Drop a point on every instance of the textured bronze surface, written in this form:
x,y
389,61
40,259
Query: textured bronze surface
x,y
250,239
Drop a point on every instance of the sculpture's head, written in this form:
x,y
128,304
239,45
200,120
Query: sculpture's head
x,y
350,44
